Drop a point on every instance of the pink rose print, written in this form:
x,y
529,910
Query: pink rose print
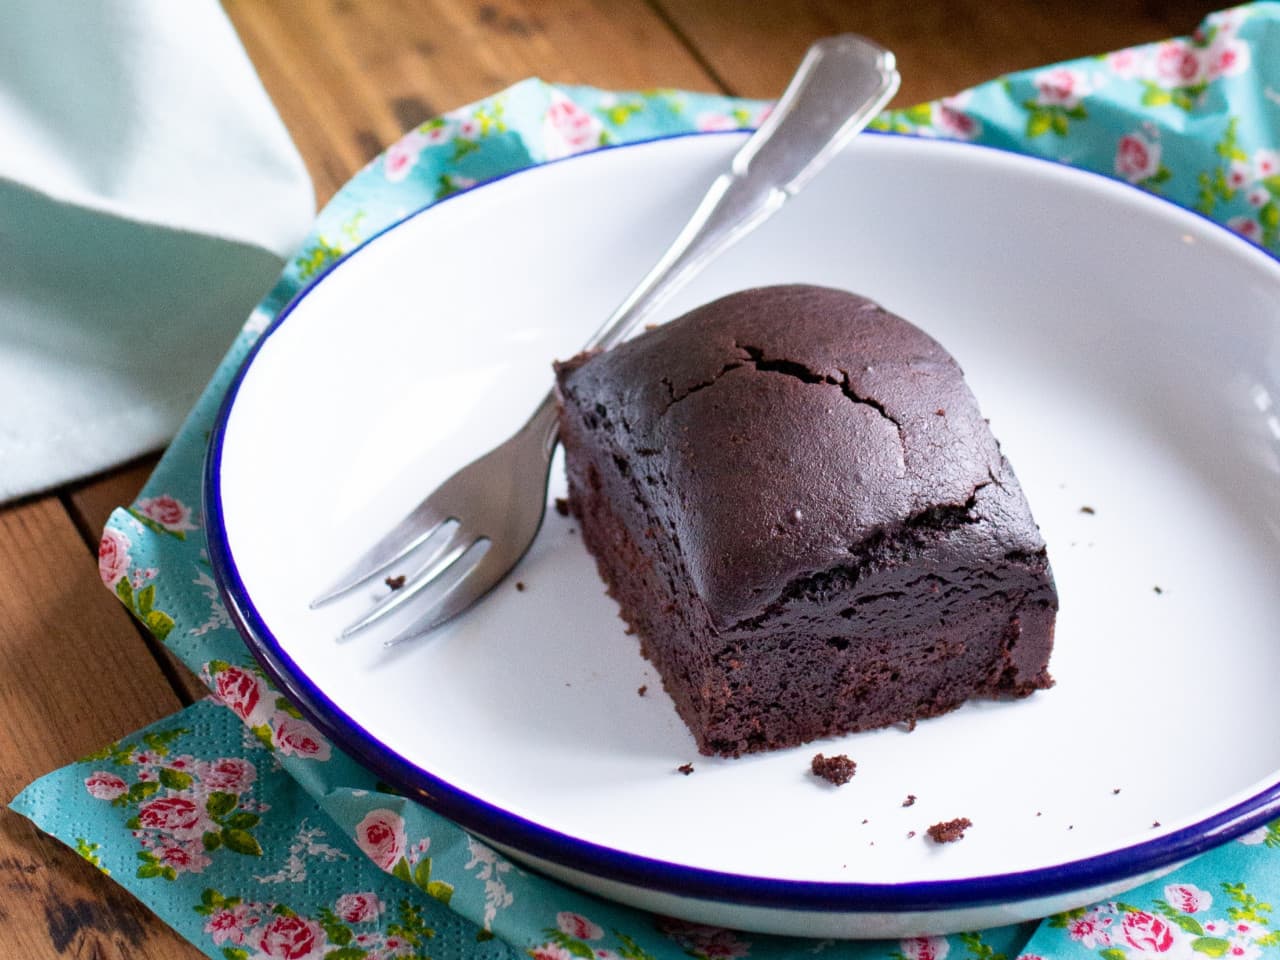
x,y
294,737
240,690
568,129
402,156
230,926
709,943
1247,227
381,836
224,928
1258,197
292,938
1244,950
1178,65
924,948
1260,834
550,951
104,786
359,907
438,133
1125,63
228,774
709,122
954,122
1090,931
1228,58
113,556
1060,87
170,513
1266,163
183,857
176,815
576,925
1146,933
1137,158
1238,174
1187,897
1029,956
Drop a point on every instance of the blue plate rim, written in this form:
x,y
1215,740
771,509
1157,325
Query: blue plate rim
x,y
507,829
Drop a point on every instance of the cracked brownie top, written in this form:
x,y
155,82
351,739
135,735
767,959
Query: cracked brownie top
x,y
780,432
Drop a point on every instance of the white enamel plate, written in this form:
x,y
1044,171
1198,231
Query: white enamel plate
x,y
1126,354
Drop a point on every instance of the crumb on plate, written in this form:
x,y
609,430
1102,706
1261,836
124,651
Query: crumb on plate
x,y
835,770
949,831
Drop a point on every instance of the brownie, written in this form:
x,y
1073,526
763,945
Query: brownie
x,y
949,831
837,770
795,501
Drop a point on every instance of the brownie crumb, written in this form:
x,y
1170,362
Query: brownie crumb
x,y
685,768
1155,824
520,585
562,506
866,821
949,831
1114,791
1089,510
910,801
1039,814
910,834
940,412
395,583
644,688
836,770
1157,589
572,530
1071,826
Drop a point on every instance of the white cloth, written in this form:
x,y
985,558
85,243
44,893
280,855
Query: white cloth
x,y
149,195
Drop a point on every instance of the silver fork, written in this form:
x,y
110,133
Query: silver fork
x,y
483,519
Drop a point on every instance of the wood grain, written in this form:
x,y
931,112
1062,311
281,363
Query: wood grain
x,y
942,46
349,78
76,675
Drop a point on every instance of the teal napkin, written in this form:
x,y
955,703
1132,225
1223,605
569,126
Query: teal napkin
x,y
242,827
149,195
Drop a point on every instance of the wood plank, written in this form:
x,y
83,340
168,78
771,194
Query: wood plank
x,y
76,675
90,503
942,46
348,78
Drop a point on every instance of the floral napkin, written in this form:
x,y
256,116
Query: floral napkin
x,y
253,836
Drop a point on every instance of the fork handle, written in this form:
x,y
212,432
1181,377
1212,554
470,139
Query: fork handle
x,y
840,85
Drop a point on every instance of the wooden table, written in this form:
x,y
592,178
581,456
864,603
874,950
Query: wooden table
x,y
348,76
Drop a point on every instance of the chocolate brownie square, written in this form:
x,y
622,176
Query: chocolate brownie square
x,y
799,508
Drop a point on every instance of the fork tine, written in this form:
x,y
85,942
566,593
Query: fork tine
x,y
411,532
455,599
427,573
